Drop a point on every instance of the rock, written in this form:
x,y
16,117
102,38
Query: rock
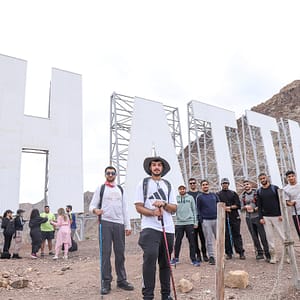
x,y
237,279
196,277
3,282
185,285
5,275
20,283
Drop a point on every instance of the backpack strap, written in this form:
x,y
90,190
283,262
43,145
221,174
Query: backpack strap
x,y
168,184
101,195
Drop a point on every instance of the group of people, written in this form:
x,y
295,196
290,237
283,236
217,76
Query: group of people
x,y
42,229
196,216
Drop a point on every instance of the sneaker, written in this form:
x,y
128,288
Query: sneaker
x,y
196,263
125,286
242,256
55,257
205,258
16,255
259,256
174,261
33,255
65,257
51,253
42,254
228,256
211,260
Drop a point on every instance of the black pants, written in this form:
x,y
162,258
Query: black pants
x,y
297,224
258,235
36,240
113,234
233,236
7,242
179,233
153,244
199,232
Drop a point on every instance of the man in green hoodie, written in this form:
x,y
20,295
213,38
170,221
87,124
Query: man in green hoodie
x,y
186,221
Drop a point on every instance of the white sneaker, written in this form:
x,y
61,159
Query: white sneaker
x,y
55,257
65,257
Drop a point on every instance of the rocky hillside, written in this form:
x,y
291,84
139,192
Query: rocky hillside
x,y
285,104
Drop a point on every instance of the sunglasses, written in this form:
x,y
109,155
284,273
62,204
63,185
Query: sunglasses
x,y
110,173
192,182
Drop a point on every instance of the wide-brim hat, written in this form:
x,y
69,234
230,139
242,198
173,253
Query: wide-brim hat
x,y
148,160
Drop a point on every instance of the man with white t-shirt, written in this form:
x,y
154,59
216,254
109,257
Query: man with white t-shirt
x,y
155,199
292,197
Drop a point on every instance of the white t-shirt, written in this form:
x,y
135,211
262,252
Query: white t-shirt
x,y
152,221
113,205
292,192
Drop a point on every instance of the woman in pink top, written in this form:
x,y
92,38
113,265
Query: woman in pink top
x,y
63,236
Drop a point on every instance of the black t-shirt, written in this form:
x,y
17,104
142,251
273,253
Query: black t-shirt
x,y
268,202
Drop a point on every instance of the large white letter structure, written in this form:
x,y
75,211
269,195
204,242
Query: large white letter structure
x,y
61,135
219,118
149,128
266,125
295,138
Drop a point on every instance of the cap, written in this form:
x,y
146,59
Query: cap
x,y
181,185
224,180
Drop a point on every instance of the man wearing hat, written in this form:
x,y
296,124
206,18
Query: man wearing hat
x,y
155,199
233,220
19,223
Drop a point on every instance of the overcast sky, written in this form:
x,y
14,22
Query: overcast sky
x,y
232,54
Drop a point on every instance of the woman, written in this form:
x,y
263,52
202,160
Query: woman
x,y
8,226
35,231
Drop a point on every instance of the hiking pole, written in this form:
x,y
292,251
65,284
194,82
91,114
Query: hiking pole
x,y
100,254
229,231
168,254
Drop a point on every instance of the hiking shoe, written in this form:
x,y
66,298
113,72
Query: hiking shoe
x,y
211,260
124,285
228,256
16,255
242,256
259,256
33,255
174,261
205,258
196,263
51,253
105,290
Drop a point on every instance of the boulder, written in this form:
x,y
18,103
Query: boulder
x,y
237,279
185,285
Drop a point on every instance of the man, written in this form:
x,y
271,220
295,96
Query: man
x,y
155,201
269,212
233,221
186,221
292,197
250,207
207,211
193,191
72,218
108,202
47,230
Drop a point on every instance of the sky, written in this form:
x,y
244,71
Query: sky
x,y
231,54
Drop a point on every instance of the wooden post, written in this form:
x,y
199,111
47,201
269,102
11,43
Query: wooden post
x,y
220,247
289,243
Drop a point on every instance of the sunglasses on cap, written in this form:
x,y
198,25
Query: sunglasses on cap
x,y
110,173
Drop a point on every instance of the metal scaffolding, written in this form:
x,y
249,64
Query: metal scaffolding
x,y
120,124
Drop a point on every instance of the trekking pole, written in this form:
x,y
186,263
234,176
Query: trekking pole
x,y
168,254
229,231
100,254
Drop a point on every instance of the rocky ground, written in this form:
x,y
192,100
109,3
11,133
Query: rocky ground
x,y
78,277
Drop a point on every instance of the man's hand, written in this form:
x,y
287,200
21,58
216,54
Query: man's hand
x,y
127,232
262,221
159,203
228,208
98,211
280,219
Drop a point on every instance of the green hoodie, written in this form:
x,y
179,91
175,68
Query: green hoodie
x,y
186,213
